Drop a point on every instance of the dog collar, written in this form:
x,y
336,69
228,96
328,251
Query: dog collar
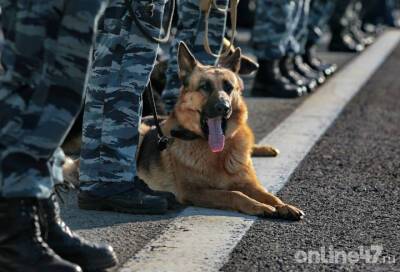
x,y
184,134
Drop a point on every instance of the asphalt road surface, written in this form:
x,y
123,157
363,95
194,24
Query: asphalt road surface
x,y
348,185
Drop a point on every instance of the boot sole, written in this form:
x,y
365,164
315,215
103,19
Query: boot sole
x,y
100,266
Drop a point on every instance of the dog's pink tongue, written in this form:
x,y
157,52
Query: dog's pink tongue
x,y
216,138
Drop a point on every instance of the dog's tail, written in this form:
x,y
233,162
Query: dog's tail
x,y
264,151
71,171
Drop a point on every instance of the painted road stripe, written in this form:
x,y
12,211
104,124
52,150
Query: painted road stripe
x,y
202,239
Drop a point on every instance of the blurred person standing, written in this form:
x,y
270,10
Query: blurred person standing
x,y
279,35
345,25
320,13
45,58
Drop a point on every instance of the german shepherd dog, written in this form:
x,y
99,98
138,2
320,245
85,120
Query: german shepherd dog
x,y
209,161
212,167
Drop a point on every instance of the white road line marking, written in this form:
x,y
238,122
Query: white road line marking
x,y
201,239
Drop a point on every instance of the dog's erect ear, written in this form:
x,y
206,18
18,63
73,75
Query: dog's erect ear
x,y
186,61
233,61
247,66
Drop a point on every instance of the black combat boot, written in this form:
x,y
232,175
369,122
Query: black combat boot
x,y
172,202
69,245
340,24
310,58
345,42
287,69
22,248
360,36
123,197
270,82
305,70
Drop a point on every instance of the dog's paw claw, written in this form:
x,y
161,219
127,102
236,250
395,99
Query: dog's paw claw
x,y
290,212
275,152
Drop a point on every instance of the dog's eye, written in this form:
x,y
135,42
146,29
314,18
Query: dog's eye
x,y
206,86
228,87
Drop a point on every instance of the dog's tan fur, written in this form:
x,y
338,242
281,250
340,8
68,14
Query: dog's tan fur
x,y
188,169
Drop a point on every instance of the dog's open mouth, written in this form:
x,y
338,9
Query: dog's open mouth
x,y
214,129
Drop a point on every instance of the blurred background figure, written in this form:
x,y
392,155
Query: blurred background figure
x,y
345,25
284,37
320,13
275,38
45,58
355,23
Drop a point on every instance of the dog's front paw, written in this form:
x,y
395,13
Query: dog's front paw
x,y
289,212
264,151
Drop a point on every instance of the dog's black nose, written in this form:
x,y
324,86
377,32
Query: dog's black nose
x,y
222,107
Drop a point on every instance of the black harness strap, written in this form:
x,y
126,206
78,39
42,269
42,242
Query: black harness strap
x,y
163,141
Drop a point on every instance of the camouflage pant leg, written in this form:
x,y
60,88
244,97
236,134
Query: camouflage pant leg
x,y
122,64
320,12
390,12
355,14
300,32
191,31
23,64
62,33
275,21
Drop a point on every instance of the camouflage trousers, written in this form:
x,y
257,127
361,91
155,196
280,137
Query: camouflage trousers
x,y
45,58
320,13
191,27
280,28
123,61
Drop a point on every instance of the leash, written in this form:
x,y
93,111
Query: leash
x,y
163,141
150,9
205,7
